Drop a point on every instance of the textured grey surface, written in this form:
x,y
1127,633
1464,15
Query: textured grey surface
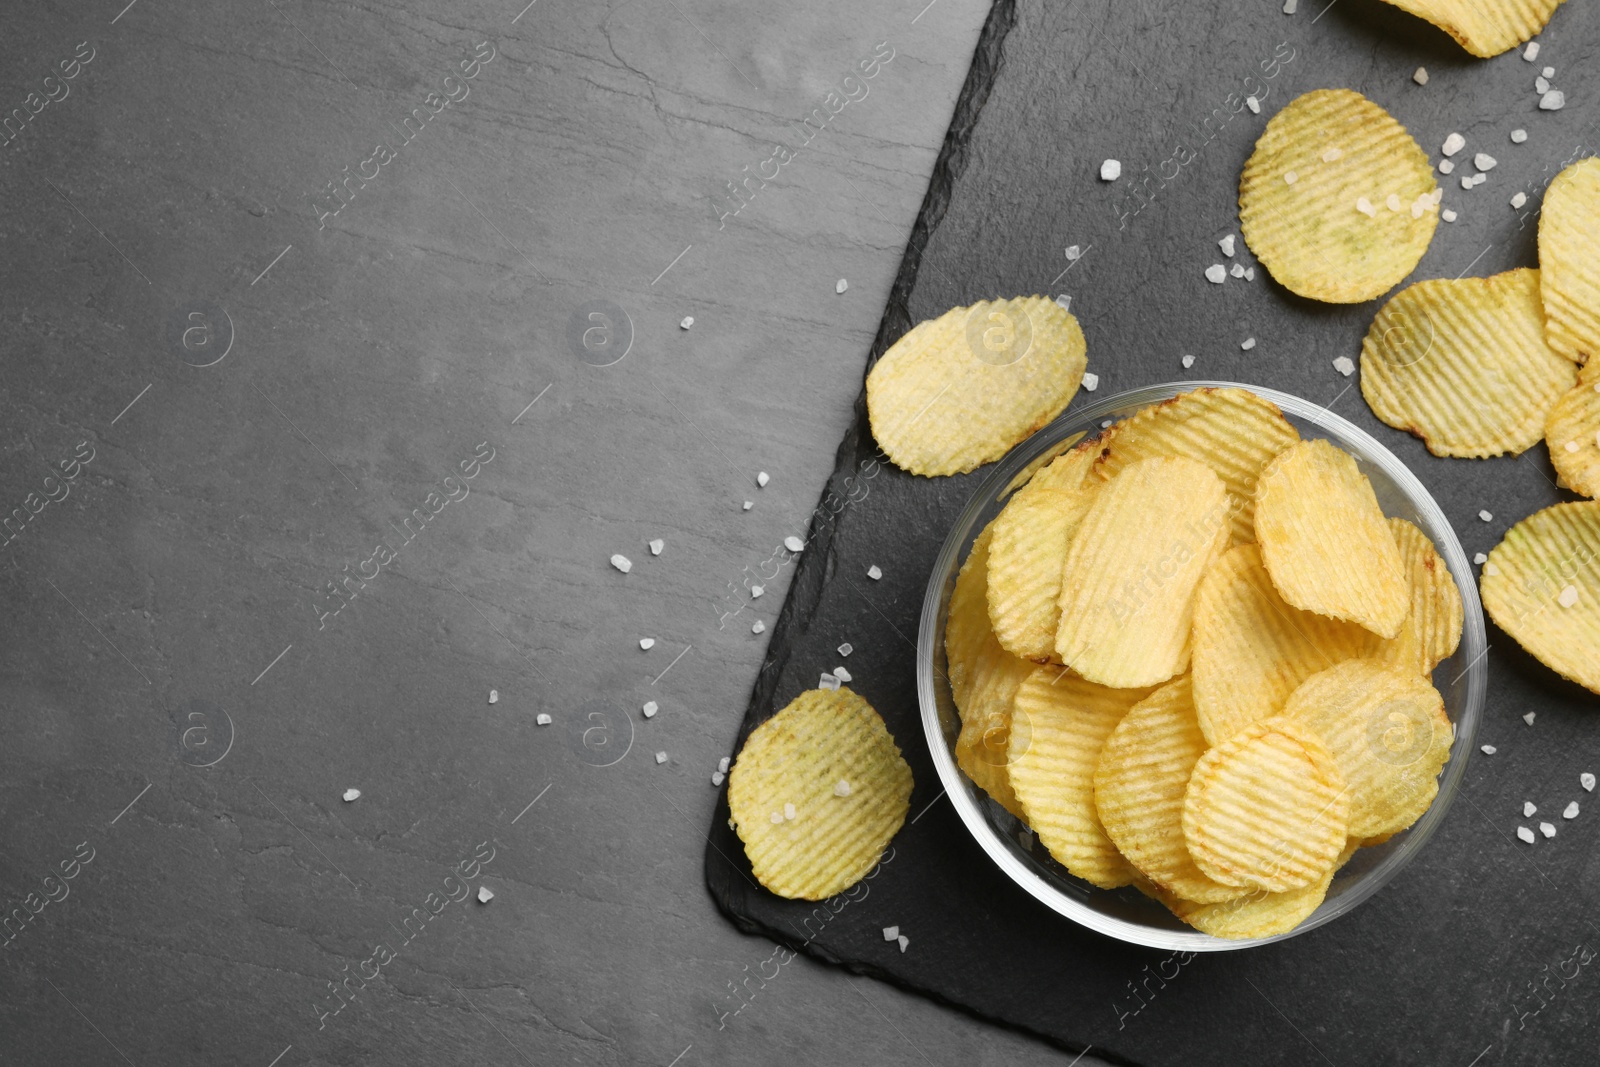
x,y
168,611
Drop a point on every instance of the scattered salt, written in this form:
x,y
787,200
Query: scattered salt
x,y
1446,166
843,675
1344,365
757,590
1073,252
1091,382
1587,781
1480,559
1467,182
1248,343
1237,270
788,811
1488,750
718,778
1541,85
661,757
1490,569
1290,177
1289,6
650,708
1548,72
656,546
1547,830
1249,274
688,321
1216,273
1421,76
777,817
1226,244
1486,516
762,478
351,794
1188,361
1253,104
840,286
542,719
874,572
722,764
1518,199
1568,597
793,544
1448,215
841,788
1453,144
1528,718
1518,136
647,643
1570,811
485,894
1528,809
748,504
757,627
827,681
622,563
1525,834
1110,170
1364,206
1554,100
494,696
1572,446
904,941
846,648
1331,155
891,932
1484,161
1531,52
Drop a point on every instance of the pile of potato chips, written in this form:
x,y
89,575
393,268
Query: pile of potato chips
x,y
1194,657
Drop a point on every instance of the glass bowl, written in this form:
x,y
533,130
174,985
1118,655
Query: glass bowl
x,y
1126,914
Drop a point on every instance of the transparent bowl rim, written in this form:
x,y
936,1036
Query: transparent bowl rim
x,y
1006,854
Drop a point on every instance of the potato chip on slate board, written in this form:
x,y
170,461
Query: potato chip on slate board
x,y
1482,951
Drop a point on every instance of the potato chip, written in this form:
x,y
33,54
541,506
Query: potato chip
x,y
959,391
1484,27
1058,724
986,721
1464,365
1232,431
1572,431
1026,557
1569,261
1267,808
1070,470
1038,464
1387,730
1432,628
1337,200
1542,586
966,626
1257,913
1139,788
1127,591
1325,541
792,762
1251,650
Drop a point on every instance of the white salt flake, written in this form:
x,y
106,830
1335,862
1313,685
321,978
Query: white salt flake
x,y
1188,361
688,321
661,757
1518,199
1216,273
1344,366
1248,343
1064,302
748,504
1106,425
840,286
827,681
1290,177
757,627
793,544
647,643
874,572
1237,270
1364,206
1446,166
1490,569
656,546
1518,136
777,817
485,894
1547,829
1479,179
1467,182
1571,446
718,777
1253,104
351,794
762,478
722,764
1226,244
1421,204
622,563
891,932
1488,750
1541,85
1091,382
1332,155
1110,170
1448,215
1480,559
1453,144
1249,274
756,591
1484,161
1529,717
1570,811
1289,6
843,675
1421,76
788,811
650,708
542,719
1587,781
1548,72
1531,52
1073,252
904,941
1486,516
494,696
846,648
1568,597
841,788
1529,810
1554,100
1525,834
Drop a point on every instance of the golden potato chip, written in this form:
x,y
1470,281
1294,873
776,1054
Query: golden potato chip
x,y
1257,914
1027,554
1569,261
1463,364
1387,730
1232,431
1337,200
1048,458
959,391
966,626
1127,591
1325,542
1070,470
1433,625
1484,27
803,839
1251,649
1542,586
1572,430
1058,724
1267,808
986,722
1140,785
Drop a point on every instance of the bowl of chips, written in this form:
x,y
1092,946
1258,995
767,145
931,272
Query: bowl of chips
x,y
1254,732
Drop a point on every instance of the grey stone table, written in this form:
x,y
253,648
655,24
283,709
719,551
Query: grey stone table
x,y
345,343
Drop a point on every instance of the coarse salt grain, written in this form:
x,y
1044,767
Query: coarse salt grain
x,y
1518,199
1568,597
1364,206
1531,52
1237,270
1486,516
650,708
840,286
688,321
1249,274
841,788
1587,781
846,648
1226,244
543,719
1448,215
1073,252
758,627
788,811
1332,155
1479,179
1547,829
1467,182
1488,750
1446,166
843,675
722,764
622,563
1525,834
1344,365
1110,170
827,681
1570,811
1091,382
1064,302
891,932
762,478
1188,361
1518,136
1529,717
485,894
1554,100
1289,6
1216,273
904,941
647,643
757,590
661,757
793,544
777,817
1528,809
1541,85
1484,161
1248,343
494,696
874,572
1453,144
656,546
1480,559
1421,76
1491,570
1548,72
1253,104
1290,177
748,504
351,794
717,778
1571,446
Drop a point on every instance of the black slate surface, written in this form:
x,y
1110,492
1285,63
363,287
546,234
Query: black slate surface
x,y
1482,951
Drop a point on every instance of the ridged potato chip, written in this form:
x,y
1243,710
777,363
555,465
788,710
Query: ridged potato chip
x,y
1061,448
1337,200
1251,649
1432,629
1027,554
1572,430
1325,541
1232,431
1256,914
1387,730
959,391
1484,27
1569,261
1059,723
1542,586
1127,590
1267,808
797,757
966,626
1139,788
1464,365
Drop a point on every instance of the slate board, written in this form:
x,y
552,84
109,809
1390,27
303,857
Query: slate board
x,y
1468,957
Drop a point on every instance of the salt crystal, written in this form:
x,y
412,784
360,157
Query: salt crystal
x,y
756,591
656,546
1110,170
841,788
1587,781
827,681
1106,425
1248,343
904,941
777,817
485,894
1480,559
1568,597
1344,365
874,572
1548,72
722,764
1453,144
891,932
1570,811
1528,718
1216,273
1531,52
1331,155
1488,750
1237,270
1249,274
622,563
1518,136
762,478
1064,302
1572,446
1528,809
661,757
757,627
1554,100
647,643
650,708
1446,166
1484,161
1364,206
843,675
1479,179
846,648
1289,6
1525,834
1486,516
1073,252
788,811
840,286
1467,182
748,504
793,544
1226,244
542,719
718,778
1091,382
494,696
1290,177
1188,361
1253,104
1448,215
1547,830
1518,199
1421,76
351,794
688,321
1490,569
1541,85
